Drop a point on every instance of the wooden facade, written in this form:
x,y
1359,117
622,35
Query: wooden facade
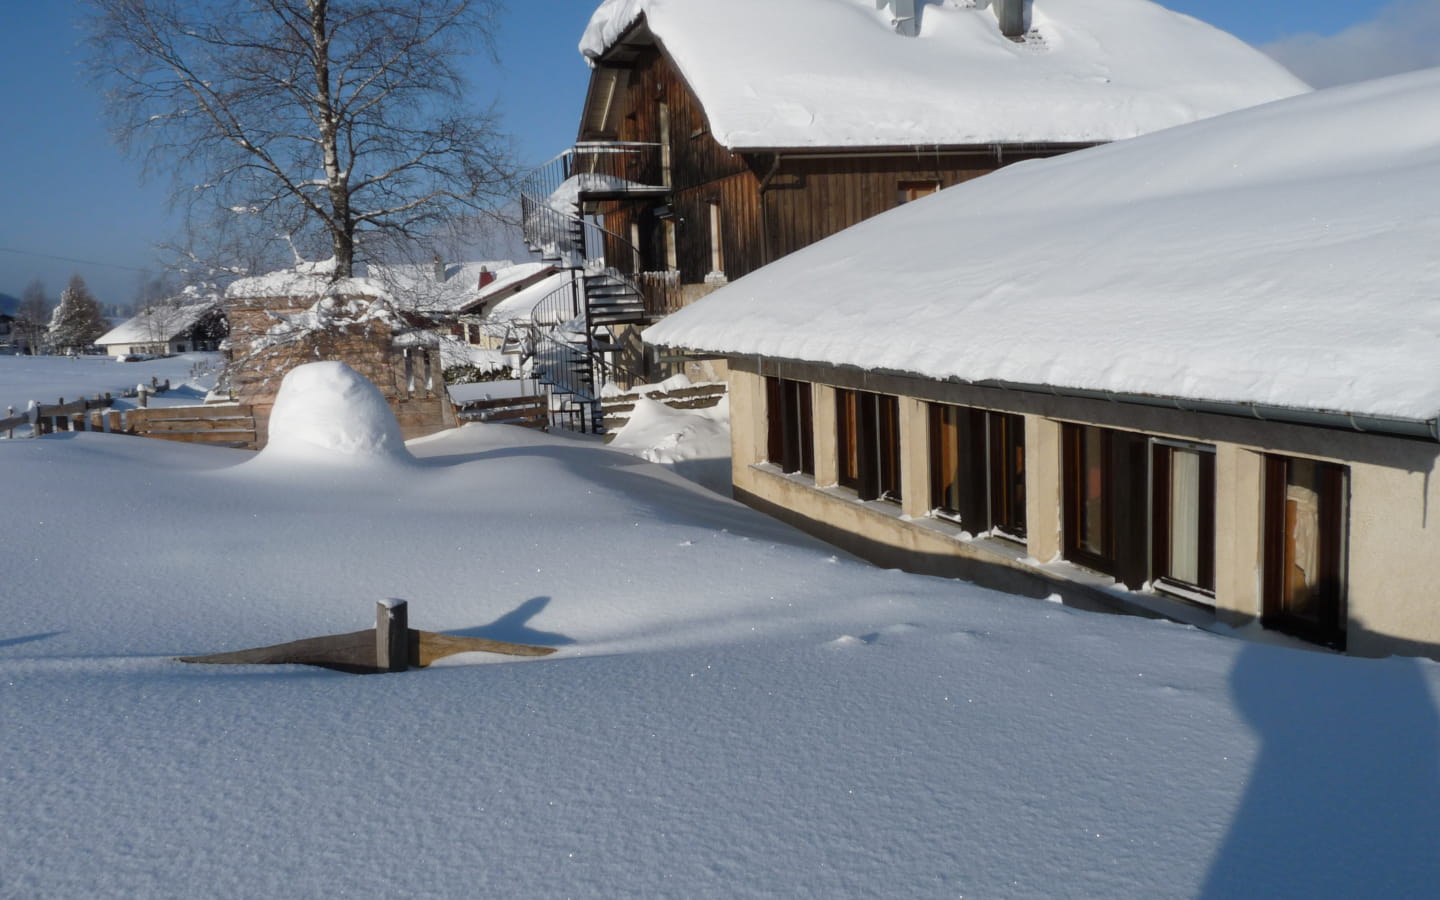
x,y
732,211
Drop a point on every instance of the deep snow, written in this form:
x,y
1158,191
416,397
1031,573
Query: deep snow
x,y
47,379
733,710
785,74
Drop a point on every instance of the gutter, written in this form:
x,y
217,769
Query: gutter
x,y
1396,426
764,210
1290,415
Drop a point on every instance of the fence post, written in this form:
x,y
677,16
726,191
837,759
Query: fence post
x,y
10,414
34,413
142,392
392,635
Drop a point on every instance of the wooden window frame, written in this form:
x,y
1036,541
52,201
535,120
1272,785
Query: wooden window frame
x,y
1162,522
717,243
1332,548
790,425
977,468
1123,487
914,189
867,432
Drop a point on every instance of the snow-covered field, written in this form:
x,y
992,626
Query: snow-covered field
x,y
734,710
47,379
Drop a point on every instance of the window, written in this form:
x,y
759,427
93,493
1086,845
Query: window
x,y
663,116
717,249
1306,537
1105,502
1183,515
977,468
1141,509
868,439
914,190
790,437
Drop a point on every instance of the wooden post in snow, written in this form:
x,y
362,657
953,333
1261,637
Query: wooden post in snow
x,y
143,393
10,414
392,635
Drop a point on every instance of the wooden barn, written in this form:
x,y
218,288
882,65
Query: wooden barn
x,y
716,138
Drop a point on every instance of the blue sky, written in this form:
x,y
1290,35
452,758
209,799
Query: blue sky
x,y
66,191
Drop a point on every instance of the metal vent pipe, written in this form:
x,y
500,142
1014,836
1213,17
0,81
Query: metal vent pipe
x,y
1011,14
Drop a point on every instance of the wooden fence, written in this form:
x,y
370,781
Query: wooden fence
x,y
221,424
43,418
531,412
618,407
228,425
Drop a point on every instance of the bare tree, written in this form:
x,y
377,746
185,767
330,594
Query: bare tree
x,y
331,122
32,317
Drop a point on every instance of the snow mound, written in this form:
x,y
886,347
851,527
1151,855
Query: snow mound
x,y
695,443
326,411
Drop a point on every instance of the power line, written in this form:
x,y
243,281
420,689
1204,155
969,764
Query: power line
x,y
72,259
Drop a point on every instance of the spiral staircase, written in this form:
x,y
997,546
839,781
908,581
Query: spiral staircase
x,y
570,340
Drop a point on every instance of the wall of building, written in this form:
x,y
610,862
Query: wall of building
x,y
1393,584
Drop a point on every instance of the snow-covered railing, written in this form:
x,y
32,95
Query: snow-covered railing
x,y
45,418
612,167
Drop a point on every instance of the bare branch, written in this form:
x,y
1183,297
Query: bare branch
x,y
330,122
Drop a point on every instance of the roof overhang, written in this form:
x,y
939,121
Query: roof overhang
x,y
598,116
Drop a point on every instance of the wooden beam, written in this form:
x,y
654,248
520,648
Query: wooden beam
x,y
392,635
355,652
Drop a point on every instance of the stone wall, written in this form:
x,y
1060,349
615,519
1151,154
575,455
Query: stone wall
x,y
378,346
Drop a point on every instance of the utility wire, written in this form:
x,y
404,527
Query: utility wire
x,y
72,259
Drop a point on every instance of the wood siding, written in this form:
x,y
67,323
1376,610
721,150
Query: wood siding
x,y
771,203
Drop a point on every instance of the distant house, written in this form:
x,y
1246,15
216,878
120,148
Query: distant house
x,y
1195,372
167,328
478,326
716,137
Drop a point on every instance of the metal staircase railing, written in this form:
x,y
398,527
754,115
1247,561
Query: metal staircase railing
x,y
570,335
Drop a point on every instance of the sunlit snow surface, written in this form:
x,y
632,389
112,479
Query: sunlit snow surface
x,y
327,413
734,710
833,73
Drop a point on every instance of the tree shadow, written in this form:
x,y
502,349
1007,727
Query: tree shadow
x,y
12,642
512,627
1344,799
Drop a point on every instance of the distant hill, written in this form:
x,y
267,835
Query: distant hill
x,y
9,304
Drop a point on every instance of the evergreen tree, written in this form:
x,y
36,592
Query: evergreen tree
x,y
76,322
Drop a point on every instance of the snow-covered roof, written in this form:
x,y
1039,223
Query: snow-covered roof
x,y
414,286
511,280
833,73
307,279
1283,255
163,322
520,307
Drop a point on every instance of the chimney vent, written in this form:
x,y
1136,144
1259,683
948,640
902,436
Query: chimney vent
x,y
1011,14
904,15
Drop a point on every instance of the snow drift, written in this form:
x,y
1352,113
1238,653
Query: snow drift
x,y
327,412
